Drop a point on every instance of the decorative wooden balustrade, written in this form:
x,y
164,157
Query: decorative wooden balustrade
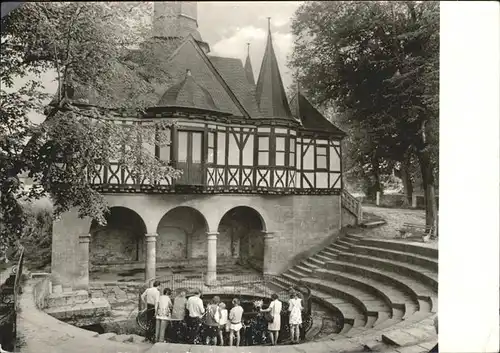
x,y
352,204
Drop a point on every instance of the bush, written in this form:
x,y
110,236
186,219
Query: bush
x,y
37,238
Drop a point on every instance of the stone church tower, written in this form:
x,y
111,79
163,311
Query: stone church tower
x,y
175,20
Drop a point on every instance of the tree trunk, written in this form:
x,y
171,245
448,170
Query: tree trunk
x,y
373,183
377,186
426,168
406,177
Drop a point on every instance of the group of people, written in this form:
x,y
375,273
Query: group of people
x,y
189,321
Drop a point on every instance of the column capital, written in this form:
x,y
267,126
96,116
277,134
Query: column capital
x,y
212,235
268,234
151,236
84,238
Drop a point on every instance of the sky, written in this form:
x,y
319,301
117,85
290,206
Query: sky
x,y
227,27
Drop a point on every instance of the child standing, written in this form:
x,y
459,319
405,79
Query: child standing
x,y
223,323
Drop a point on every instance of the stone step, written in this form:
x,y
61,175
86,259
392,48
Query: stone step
x,y
317,262
368,303
305,269
67,298
315,329
384,324
347,327
407,285
398,245
324,258
419,260
434,304
390,295
407,337
414,320
310,264
285,281
345,244
93,309
297,272
373,224
383,316
338,247
370,320
351,314
328,253
424,305
422,275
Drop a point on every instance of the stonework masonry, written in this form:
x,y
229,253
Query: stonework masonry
x,y
298,222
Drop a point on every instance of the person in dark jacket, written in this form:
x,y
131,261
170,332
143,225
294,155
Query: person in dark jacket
x,y
178,325
212,318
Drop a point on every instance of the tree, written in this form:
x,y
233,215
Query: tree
x,y
88,45
378,63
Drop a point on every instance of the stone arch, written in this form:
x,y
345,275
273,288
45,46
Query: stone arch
x,y
242,230
181,235
121,240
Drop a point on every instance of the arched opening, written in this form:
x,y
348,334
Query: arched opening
x,y
121,240
240,236
181,235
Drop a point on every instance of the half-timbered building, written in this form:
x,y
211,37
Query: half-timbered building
x,y
261,181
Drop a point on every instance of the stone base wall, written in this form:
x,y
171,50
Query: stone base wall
x,y
117,293
348,219
298,222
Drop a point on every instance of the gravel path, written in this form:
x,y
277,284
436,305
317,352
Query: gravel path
x,y
395,218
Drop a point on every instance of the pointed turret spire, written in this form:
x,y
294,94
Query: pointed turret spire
x,y
270,92
297,83
248,68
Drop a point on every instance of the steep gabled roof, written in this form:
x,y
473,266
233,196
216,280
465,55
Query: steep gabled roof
x,y
189,55
233,73
310,117
270,92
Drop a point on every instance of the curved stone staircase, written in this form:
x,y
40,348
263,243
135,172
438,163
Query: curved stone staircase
x,y
385,292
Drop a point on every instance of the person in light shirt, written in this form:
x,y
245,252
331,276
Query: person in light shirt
x,y
235,325
295,308
194,305
163,310
150,297
223,323
274,327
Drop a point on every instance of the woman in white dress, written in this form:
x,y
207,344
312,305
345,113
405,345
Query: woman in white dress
x,y
163,309
295,308
275,326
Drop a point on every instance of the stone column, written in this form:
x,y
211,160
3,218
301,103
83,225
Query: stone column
x,y
82,281
267,268
211,276
150,257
